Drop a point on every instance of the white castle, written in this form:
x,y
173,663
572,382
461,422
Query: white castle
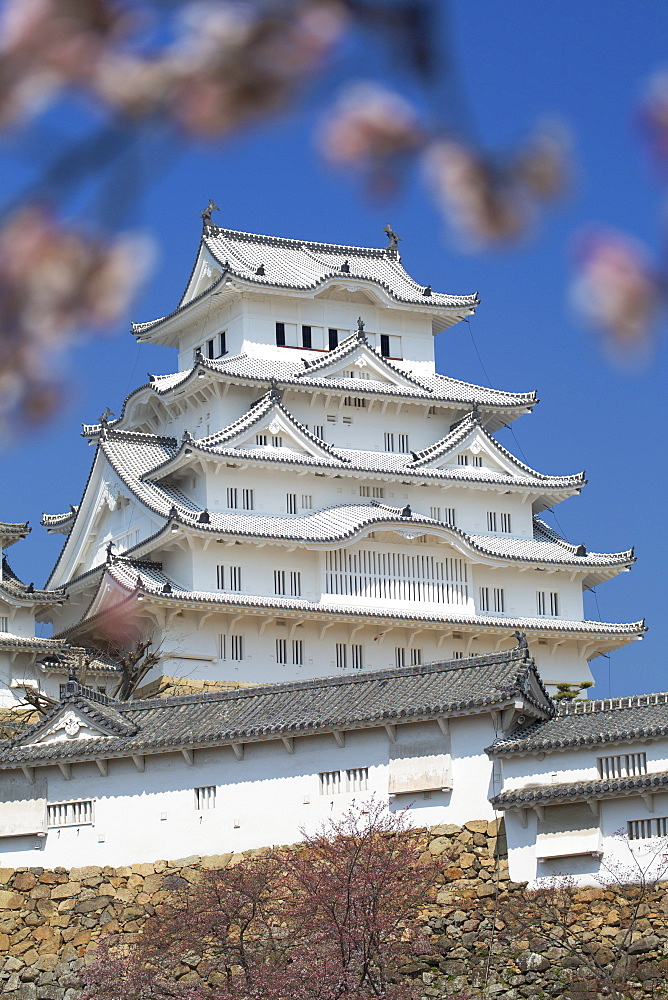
x,y
306,507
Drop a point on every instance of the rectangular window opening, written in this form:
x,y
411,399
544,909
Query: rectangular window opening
x,y
205,798
280,334
75,813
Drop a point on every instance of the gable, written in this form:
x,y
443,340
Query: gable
x,y
69,724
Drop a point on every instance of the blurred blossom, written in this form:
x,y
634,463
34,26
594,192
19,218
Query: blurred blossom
x,y
654,117
487,201
475,197
370,125
616,290
55,281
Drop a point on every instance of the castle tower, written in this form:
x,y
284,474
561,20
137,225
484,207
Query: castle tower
x,y
307,495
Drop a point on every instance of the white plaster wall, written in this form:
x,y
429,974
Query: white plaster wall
x,y
268,797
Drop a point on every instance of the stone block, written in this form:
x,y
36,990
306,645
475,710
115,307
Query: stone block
x,y
531,961
93,905
66,890
476,825
438,845
24,881
445,830
6,875
11,900
215,861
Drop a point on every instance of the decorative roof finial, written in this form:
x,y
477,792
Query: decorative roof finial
x,y
205,216
140,583
360,329
475,412
72,673
110,546
426,290
345,267
521,640
186,437
407,512
260,270
104,417
392,237
273,391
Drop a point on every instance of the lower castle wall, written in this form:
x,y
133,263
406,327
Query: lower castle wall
x,y
50,920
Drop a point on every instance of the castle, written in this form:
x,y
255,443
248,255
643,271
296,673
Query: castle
x,y
320,530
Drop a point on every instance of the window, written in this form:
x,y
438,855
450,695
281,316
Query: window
x,y
307,501
282,651
643,829
390,347
79,813
295,583
210,349
333,338
396,576
458,654
298,652
389,441
276,441
449,516
318,431
435,513
291,503
232,497
357,779
279,582
330,782
347,420
506,524
306,337
331,418
341,656
261,440
4,623
477,461
357,656
407,657
377,492
280,334
403,443
205,798
499,600
462,460
625,765
247,501
547,602
231,647
228,578
354,401
491,520
222,343
384,345
483,598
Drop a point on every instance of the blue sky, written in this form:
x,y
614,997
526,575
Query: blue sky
x,y
518,63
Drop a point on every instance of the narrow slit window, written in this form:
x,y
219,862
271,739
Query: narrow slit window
x,y
291,503
236,647
232,497
282,651
389,441
306,337
477,461
279,582
280,334
330,782
506,524
295,583
333,338
307,501
357,779
491,520
205,798
298,652
462,460
499,600
247,498
483,594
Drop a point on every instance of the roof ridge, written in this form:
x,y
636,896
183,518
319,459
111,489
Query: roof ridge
x,y
587,706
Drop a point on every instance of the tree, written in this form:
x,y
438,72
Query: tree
x,y
332,917
551,917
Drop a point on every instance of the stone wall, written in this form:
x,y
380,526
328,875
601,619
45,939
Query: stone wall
x,y
50,921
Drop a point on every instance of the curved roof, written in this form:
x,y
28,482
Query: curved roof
x,y
372,698
575,791
268,262
59,524
11,532
589,723
16,590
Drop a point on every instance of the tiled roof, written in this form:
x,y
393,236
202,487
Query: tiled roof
x,y
148,577
579,790
16,590
591,723
31,643
132,456
306,266
288,373
11,532
57,524
298,708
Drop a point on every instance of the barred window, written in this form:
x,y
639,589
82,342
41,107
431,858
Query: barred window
x,y
491,520
279,582
231,647
483,598
75,813
261,440
462,459
205,798
389,441
477,461
295,583
644,829
247,499
458,654
506,524
228,578
307,501
232,497
404,657
499,600
291,503
377,492
4,623
282,651
298,652
624,765
357,779
318,430
547,602
330,782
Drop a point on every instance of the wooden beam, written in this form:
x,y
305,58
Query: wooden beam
x,y
391,732
443,725
523,817
139,761
238,750
340,738
648,799
289,743
65,770
593,805
188,756
102,766
28,773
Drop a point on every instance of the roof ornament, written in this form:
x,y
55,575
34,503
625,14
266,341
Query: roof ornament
x,y
414,456
407,512
198,356
167,588
345,267
426,290
186,437
392,237
104,417
30,589
205,216
140,583
110,553
204,517
475,412
260,270
273,390
360,329
72,673
521,640
173,512
581,550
